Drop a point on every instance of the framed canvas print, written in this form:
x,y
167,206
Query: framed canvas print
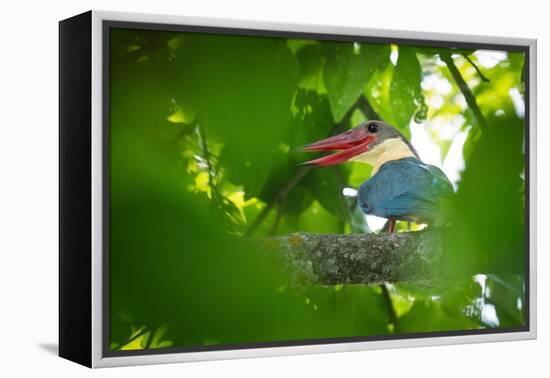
x,y
235,189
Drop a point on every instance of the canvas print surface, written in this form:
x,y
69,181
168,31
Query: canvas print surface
x,y
270,191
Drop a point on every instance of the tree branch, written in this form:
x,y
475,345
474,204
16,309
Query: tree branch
x,y
329,259
466,91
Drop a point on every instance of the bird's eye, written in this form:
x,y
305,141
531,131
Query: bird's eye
x,y
373,128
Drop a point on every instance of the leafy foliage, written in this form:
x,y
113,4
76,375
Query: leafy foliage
x,y
203,135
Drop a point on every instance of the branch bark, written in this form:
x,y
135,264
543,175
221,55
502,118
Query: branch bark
x,y
329,259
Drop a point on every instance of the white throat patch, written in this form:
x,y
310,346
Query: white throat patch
x,y
390,149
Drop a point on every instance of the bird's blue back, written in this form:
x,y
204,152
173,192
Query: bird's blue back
x,y
405,189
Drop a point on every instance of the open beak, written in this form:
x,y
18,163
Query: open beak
x,y
350,143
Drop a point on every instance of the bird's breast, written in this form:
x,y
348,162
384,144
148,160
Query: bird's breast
x,y
390,150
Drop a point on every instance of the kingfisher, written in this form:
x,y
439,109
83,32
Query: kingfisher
x,y
401,187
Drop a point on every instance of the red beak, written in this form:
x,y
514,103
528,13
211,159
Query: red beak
x,y
350,144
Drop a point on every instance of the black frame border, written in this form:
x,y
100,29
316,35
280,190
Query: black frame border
x,y
107,25
75,190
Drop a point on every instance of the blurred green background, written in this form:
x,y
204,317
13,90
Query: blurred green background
x,y
203,129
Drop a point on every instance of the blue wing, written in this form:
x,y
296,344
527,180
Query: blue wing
x,y
405,189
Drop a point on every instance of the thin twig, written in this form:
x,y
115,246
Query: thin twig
x,y
278,217
281,195
149,340
483,77
206,156
186,129
466,91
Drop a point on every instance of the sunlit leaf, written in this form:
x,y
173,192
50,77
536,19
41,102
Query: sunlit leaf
x,y
405,93
347,69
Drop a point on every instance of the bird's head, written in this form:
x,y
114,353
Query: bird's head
x,y
366,143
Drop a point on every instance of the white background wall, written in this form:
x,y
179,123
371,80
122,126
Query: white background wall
x,y
28,185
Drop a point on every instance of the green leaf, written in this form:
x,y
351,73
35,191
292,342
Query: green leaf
x,y
312,121
377,56
347,69
311,61
347,310
326,186
314,218
298,44
405,92
429,315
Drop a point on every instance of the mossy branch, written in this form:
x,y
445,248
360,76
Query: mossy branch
x,y
329,259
